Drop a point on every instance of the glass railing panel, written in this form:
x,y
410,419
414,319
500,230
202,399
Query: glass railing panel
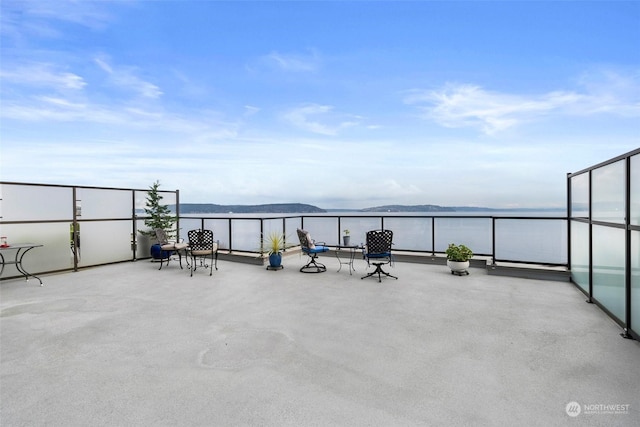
x,y
291,227
219,226
35,203
322,229
609,269
533,240
143,243
54,255
168,199
275,226
635,281
635,190
188,223
92,203
359,226
245,234
272,225
412,234
609,193
103,242
140,202
580,196
475,233
580,254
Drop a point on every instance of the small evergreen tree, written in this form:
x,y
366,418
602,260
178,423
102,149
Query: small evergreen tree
x,y
160,215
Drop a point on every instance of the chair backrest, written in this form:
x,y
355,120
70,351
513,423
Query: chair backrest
x,y
200,240
379,241
305,240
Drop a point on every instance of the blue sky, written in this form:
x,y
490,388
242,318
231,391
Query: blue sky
x,y
333,103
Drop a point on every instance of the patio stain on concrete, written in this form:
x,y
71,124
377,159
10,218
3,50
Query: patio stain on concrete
x,y
244,348
61,305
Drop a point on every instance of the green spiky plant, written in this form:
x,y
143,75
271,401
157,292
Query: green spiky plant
x,y
159,215
274,243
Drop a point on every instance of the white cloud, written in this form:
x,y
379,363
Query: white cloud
x,y
307,117
471,106
87,14
468,105
294,62
126,78
42,75
250,110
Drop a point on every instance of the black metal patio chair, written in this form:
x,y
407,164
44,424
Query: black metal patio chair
x,y
201,248
377,252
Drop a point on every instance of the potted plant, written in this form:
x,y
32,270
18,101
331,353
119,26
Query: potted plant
x,y
346,238
159,217
458,257
273,244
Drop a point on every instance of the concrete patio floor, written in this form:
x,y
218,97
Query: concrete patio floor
x,y
128,345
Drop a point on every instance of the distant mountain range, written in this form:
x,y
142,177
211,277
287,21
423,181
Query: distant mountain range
x,y
411,208
198,208
203,208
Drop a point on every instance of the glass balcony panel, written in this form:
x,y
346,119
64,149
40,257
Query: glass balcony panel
x,y
103,242
168,199
270,226
580,254
188,223
357,227
143,246
291,227
580,196
474,233
609,193
635,190
245,234
410,233
541,241
35,203
140,202
322,229
219,226
92,203
53,256
635,281
609,269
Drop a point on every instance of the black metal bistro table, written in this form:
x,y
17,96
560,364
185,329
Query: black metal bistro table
x,y
21,250
351,256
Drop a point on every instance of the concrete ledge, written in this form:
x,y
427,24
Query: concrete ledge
x,y
525,271
529,271
253,258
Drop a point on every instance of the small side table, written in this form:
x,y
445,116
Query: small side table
x,y
21,250
351,256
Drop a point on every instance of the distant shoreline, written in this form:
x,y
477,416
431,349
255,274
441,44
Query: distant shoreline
x,y
297,208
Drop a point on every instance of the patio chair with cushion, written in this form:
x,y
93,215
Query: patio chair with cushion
x,y
201,248
168,246
378,252
311,248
